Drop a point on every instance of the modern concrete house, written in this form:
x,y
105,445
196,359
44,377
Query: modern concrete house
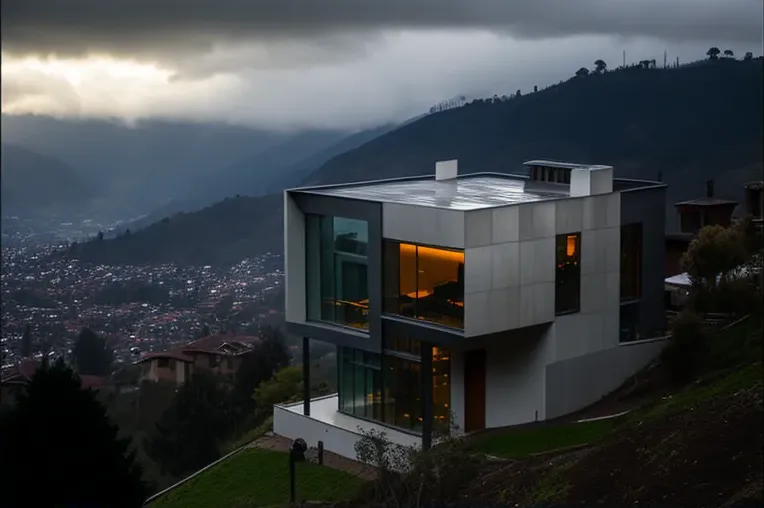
x,y
495,298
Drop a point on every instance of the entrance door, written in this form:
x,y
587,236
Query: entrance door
x,y
474,390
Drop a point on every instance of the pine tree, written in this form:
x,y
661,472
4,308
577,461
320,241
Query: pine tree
x,y
66,451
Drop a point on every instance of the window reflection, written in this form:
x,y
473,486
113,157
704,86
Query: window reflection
x,y
425,283
568,276
337,271
360,384
392,394
631,261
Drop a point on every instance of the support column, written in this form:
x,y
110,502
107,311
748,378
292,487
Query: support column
x,y
306,376
426,393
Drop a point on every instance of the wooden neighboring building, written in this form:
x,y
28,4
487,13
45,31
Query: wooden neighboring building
x,y
219,354
694,215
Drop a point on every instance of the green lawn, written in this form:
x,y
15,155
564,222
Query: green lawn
x,y
522,442
259,478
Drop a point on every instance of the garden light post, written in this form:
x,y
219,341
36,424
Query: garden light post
x,y
296,454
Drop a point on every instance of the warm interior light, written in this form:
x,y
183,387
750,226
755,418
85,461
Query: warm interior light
x,y
571,246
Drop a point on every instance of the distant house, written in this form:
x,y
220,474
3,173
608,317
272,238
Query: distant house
x,y
14,379
220,354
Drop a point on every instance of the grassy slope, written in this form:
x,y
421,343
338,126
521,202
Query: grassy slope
x,y
701,446
256,478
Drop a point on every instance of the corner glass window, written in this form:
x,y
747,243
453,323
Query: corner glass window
x,y
424,283
336,254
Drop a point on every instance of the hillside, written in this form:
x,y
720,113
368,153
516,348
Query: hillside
x,y
36,185
689,124
283,165
142,167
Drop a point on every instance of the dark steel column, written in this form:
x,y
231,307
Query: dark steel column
x,y
306,376
426,392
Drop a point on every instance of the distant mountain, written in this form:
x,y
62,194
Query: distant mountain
x,y
689,125
144,166
264,173
36,185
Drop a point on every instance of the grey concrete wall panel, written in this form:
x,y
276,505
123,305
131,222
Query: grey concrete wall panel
x,y
536,304
573,384
298,204
537,220
478,228
505,266
569,215
600,212
294,261
424,225
537,261
647,205
515,378
506,224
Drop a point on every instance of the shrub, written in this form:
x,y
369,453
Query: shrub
x,y
411,477
687,347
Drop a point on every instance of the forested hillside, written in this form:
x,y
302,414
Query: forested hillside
x,y
687,125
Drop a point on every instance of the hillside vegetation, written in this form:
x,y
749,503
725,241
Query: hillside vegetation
x,y
35,184
689,125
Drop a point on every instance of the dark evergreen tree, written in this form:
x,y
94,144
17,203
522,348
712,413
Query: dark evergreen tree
x,y
268,357
205,331
26,341
188,435
91,355
63,449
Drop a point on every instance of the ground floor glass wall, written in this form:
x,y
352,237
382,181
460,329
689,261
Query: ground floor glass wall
x,y
388,388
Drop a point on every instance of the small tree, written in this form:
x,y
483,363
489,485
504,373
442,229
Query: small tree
x,y
190,431
600,66
684,354
748,56
714,253
713,53
728,53
583,71
77,458
91,354
284,387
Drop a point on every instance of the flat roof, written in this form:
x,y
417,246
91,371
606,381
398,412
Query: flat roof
x,y
706,202
467,192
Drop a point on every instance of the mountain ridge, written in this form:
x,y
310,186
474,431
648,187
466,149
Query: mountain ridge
x,y
689,124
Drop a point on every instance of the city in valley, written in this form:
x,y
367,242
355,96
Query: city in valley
x,y
137,309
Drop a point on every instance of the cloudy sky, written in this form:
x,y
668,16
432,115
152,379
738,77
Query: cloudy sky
x,y
346,64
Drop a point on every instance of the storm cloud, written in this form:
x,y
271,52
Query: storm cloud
x,y
340,64
172,29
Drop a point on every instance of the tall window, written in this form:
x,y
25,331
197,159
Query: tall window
x,y
424,283
631,261
360,383
337,272
568,276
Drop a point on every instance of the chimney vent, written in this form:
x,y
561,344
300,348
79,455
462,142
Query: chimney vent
x,y
710,189
446,170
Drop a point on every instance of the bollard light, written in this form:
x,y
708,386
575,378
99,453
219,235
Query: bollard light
x,y
296,454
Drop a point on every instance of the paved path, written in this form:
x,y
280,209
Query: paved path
x,y
332,460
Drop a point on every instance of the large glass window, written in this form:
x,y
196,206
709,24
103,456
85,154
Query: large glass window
x,y
424,283
393,394
337,271
568,276
631,261
360,383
